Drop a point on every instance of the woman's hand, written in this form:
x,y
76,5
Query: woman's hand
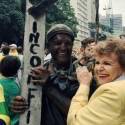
x,y
83,75
40,75
18,105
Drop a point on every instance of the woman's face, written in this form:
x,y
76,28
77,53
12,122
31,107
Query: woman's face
x,y
107,68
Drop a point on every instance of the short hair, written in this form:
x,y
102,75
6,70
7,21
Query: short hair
x,y
5,50
87,41
9,66
108,47
20,50
4,44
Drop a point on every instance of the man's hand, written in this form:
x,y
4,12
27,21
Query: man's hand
x,y
18,105
40,75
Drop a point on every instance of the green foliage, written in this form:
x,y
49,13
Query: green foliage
x,y
11,20
23,6
62,12
12,17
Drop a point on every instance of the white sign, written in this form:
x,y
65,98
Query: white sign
x,y
33,56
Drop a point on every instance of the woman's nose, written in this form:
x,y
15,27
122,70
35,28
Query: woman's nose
x,y
101,67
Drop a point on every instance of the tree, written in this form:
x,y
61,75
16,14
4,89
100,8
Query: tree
x,y
62,12
11,21
12,17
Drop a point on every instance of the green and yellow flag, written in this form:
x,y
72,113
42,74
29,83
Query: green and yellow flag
x,y
4,118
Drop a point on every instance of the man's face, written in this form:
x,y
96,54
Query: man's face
x,y
61,48
89,50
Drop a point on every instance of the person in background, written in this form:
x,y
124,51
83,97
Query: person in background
x,y
88,59
3,45
87,50
107,105
9,67
4,52
13,50
20,50
122,37
20,55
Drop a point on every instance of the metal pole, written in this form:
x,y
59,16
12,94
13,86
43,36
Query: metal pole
x,y
97,19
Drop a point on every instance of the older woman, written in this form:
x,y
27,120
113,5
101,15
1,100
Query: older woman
x,y
107,104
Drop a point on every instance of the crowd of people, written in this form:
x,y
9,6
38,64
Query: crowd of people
x,y
89,90
11,63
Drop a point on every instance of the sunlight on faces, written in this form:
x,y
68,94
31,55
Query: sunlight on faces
x,y
107,68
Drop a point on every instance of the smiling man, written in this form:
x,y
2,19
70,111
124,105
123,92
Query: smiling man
x,y
57,78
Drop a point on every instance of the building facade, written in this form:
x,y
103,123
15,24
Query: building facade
x,y
115,22
81,12
85,13
91,11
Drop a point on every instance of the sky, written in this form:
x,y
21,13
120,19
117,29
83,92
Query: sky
x,y
117,5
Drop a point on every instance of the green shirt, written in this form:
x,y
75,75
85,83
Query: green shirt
x,y
10,89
